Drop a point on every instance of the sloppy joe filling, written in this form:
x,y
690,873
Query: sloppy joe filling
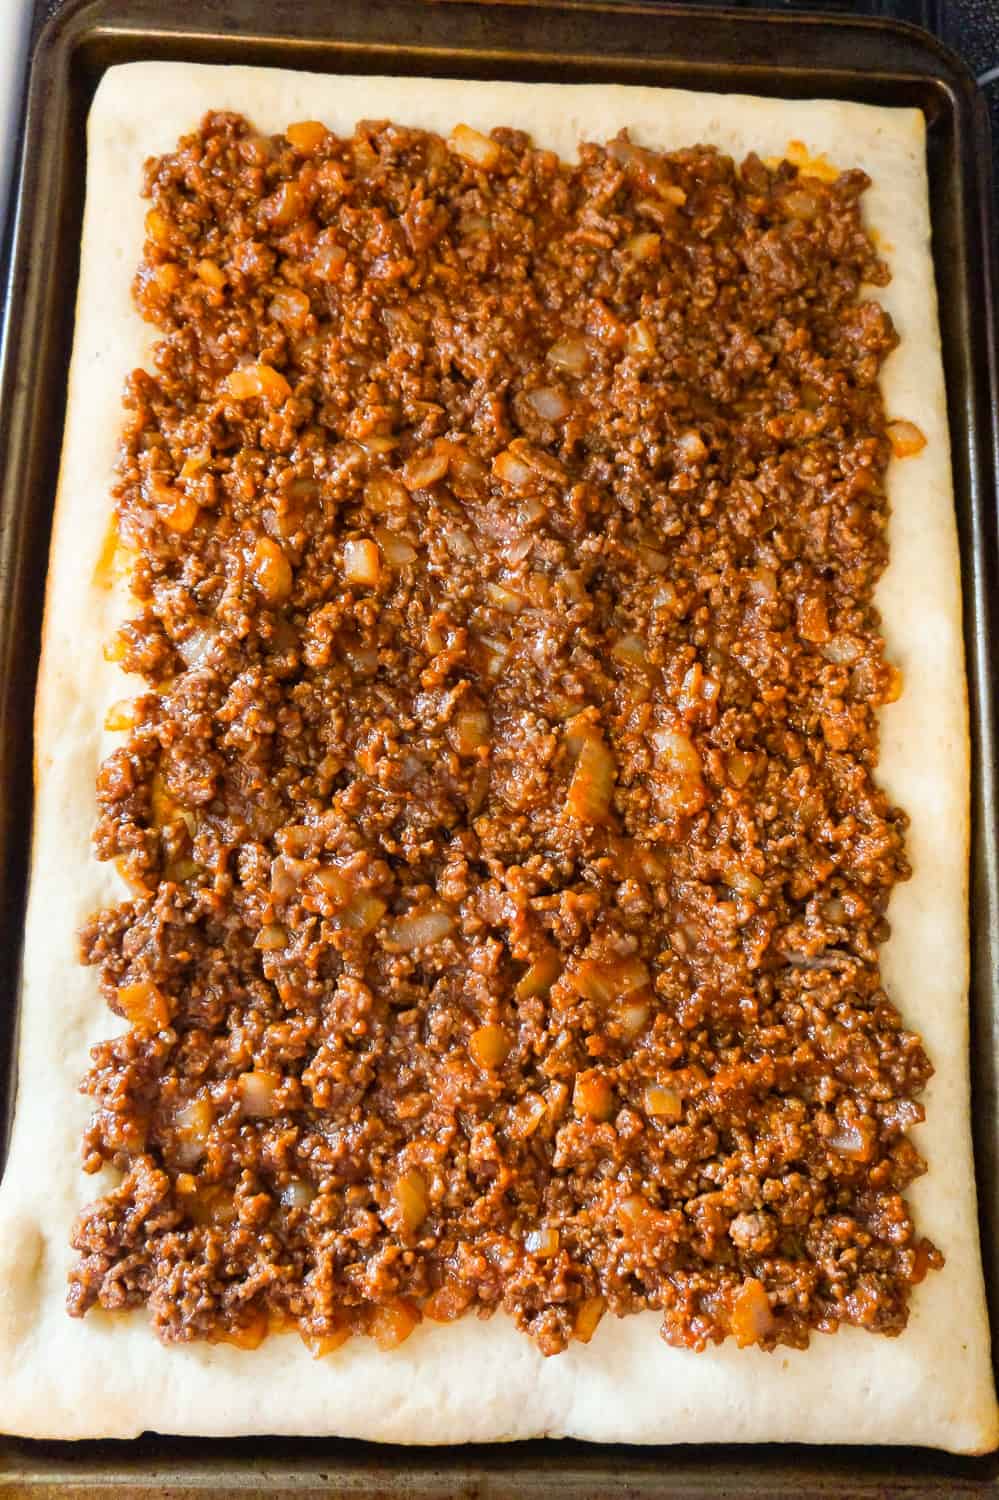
x,y
507,869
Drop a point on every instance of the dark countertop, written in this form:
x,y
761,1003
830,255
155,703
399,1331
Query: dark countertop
x,y
971,27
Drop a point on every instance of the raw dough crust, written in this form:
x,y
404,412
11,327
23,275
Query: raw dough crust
x,y
474,1381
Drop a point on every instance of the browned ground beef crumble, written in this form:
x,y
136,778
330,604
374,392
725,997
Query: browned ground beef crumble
x,y
508,870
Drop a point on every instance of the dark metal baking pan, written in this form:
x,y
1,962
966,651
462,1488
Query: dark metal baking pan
x,y
735,50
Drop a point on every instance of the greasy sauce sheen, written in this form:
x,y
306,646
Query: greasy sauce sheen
x,y
507,865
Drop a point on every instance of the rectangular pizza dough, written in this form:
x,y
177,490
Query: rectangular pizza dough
x,y
106,1375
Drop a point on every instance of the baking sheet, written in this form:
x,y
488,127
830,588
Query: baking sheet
x,y
630,43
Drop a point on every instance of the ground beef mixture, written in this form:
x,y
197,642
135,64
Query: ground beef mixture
x,y
507,869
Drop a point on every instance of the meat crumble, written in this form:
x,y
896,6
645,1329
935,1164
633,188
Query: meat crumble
x,y
507,869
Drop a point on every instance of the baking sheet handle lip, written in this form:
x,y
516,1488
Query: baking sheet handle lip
x,y
35,195
985,709
88,20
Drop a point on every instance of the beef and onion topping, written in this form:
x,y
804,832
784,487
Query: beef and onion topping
x,y
506,866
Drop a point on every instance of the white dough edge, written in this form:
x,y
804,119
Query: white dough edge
x,y
475,1381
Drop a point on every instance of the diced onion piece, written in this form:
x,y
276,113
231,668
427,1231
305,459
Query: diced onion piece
x,y
459,543
496,653
813,621
662,1103
526,1116
569,354
378,443
120,715
167,276
164,806
593,1095
132,878
271,571
630,651
573,582
328,258
469,733
474,147
144,1005
297,1193
508,600
362,562
605,982
539,977
640,338
539,591
696,689
551,404
629,975
739,767
391,1325
289,307
489,1046
512,469
742,880
256,1093
800,204
270,938
417,930
285,205
752,1319
633,1018
321,1344
467,473
182,869
306,136
906,439
195,464
248,382
193,1123
544,1243
195,647
592,786
672,193
514,552
383,493
851,1142
843,650
177,511
333,884
212,1206
158,228
895,686
364,912
211,274
693,449
682,789
396,551
287,875
588,1316
763,583
423,470
642,246
410,1194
